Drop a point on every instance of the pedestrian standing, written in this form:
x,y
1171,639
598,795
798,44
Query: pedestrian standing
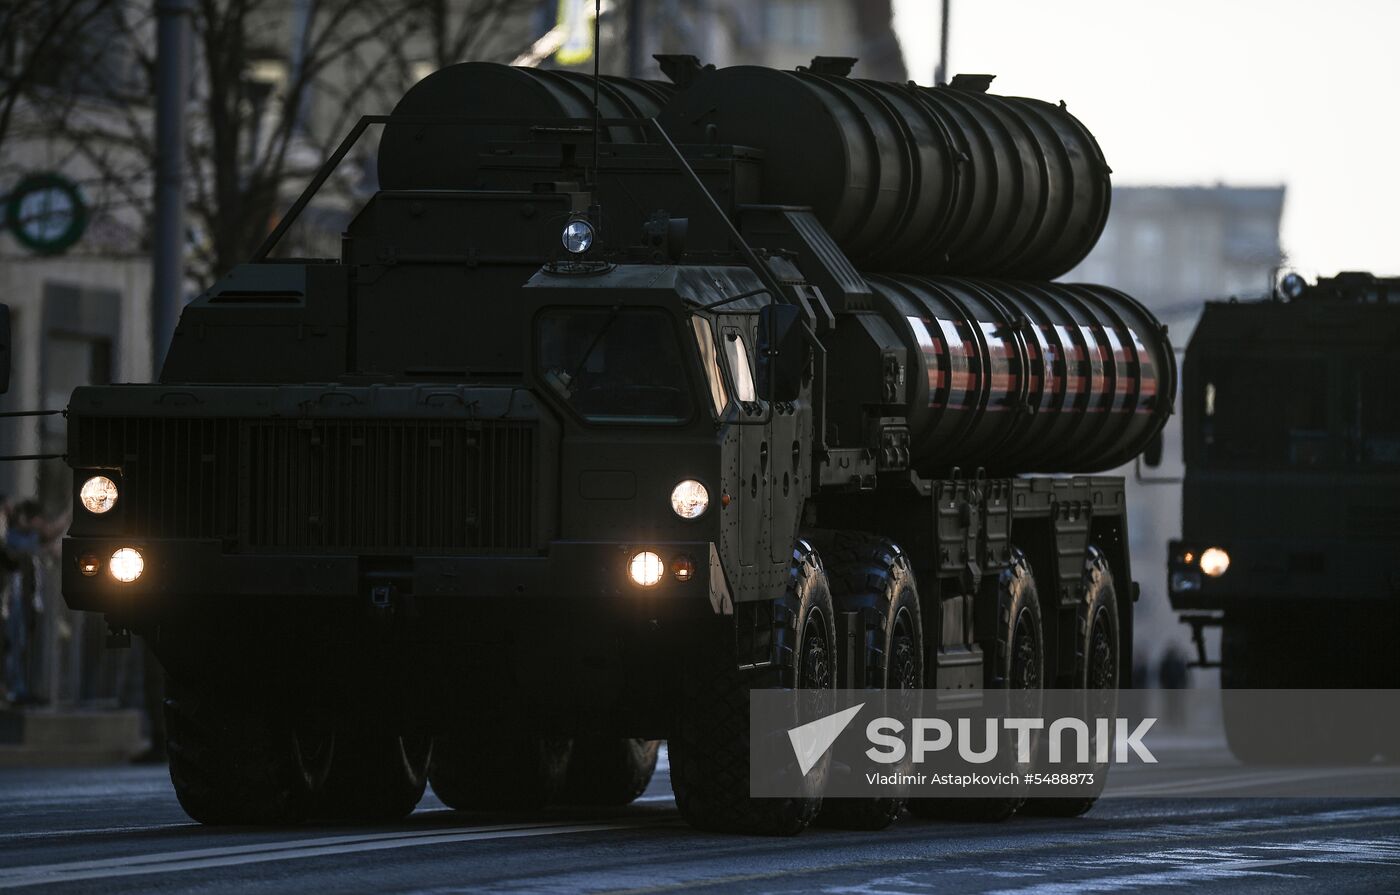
x,y
22,543
8,566
29,536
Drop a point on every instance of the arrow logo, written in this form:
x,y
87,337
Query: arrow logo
x,y
811,740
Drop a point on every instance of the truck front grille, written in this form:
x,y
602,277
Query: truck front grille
x,y
321,485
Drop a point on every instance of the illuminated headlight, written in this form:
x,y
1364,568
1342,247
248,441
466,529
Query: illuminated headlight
x,y
683,567
646,568
690,499
127,565
98,494
578,237
1214,561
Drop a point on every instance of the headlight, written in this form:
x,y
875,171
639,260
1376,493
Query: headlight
x,y
89,564
578,237
127,565
690,499
646,568
683,567
1214,561
98,494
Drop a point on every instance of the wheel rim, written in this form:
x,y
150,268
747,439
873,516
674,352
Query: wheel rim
x,y
1102,669
814,668
903,671
1025,654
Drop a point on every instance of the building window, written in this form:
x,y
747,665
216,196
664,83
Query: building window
x,y
794,23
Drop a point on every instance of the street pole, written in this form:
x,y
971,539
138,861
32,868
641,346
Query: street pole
x,y
940,71
173,29
634,38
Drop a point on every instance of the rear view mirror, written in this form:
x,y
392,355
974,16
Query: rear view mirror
x,y
1152,453
782,352
4,349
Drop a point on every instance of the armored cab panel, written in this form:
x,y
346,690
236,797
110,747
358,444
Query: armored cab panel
x,y
436,279
277,322
1291,436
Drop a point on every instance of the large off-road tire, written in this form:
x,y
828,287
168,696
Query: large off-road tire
x,y
232,765
478,773
869,573
1014,660
1272,653
1096,669
710,747
609,770
376,777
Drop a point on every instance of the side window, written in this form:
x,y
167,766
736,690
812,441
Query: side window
x,y
709,359
1378,422
737,355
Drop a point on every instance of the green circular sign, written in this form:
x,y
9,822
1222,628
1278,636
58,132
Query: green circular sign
x,y
46,213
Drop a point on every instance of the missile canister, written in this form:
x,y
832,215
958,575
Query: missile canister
x,y
1027,377
908,178
424,155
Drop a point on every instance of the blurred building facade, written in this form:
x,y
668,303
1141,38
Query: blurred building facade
x,y
1173,249
776,33
1170,246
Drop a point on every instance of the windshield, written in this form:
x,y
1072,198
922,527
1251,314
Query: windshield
x,y
1300,413
1266,412
614,365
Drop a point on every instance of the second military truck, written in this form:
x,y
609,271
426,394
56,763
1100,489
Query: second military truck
x,y
1291,503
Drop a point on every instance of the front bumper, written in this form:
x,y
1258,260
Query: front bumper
x,y
182,572
1267,571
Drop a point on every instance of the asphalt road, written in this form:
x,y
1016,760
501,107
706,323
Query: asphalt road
x,y
120,830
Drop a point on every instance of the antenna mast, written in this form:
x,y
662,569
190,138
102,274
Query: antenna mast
x,y
597,51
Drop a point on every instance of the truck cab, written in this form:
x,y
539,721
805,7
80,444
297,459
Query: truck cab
x,y
1291,497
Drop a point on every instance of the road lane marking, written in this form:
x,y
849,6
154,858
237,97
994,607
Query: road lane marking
x,y
97,831
209,858
978,845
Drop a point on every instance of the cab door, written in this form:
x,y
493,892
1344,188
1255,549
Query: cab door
x,y
754,495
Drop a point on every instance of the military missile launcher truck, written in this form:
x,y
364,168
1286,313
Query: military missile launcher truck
x,y
608,414
1290,527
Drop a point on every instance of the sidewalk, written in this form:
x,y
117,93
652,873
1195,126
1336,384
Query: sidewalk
x,y
44,737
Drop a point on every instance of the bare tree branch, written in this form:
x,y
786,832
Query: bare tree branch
x,y
249,140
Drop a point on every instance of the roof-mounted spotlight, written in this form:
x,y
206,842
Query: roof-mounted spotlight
x,y
577,237
1292,286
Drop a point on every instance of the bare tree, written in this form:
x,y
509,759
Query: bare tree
x,y
275,85
40,48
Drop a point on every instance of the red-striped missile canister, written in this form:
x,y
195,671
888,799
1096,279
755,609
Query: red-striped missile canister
x,y
1026,377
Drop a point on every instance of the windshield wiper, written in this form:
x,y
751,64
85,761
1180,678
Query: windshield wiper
x,y
568,373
